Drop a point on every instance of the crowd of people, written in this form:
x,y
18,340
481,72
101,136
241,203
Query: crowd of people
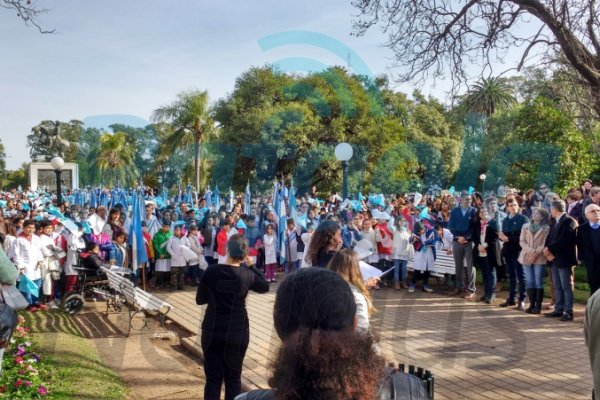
x,y
522,237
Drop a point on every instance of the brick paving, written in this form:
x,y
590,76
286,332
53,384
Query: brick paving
x,y
475,351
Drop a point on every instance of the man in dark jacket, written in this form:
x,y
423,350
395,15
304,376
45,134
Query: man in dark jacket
x,y
561,246
588,245
461,226
510,235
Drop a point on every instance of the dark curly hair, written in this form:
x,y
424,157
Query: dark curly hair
x,y
327,365
322,239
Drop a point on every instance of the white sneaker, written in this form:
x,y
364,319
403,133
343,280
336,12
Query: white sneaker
x,y
411,289
53,305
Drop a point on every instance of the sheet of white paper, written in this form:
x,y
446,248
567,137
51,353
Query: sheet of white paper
x,y
369,271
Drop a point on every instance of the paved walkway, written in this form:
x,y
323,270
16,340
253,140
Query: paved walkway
x,y
475,351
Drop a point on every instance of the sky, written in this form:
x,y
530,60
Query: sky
x,y
126,58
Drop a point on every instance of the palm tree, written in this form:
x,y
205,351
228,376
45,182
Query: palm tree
x,y
190,120
489,95
116,158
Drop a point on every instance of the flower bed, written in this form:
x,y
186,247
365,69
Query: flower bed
x,y
23,372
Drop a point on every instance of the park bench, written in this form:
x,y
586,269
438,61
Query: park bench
x,y
137,301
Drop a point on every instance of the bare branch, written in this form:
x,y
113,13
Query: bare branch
x,y
435,38
28,11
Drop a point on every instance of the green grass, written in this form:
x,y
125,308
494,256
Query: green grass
x,y
76,369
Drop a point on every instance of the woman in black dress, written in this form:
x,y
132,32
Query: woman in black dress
x,y
225,328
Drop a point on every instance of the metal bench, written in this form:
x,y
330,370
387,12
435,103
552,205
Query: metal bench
x,y
137,301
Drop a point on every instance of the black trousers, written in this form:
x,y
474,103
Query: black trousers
x,y
223,360
593,276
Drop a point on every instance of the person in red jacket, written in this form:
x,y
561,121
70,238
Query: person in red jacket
x,y
384,239
222,238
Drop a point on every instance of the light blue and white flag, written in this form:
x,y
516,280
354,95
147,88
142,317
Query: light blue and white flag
x,y
247,199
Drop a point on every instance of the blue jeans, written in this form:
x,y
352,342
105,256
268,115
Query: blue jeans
x,y
534,276
516,275
400,270
561,277
488,273
31,299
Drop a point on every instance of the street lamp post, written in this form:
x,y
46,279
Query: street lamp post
x,y
58,163
483,178
343,152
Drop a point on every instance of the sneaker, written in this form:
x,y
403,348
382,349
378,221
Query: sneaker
x,y
427,289
411,289
32,309
42,307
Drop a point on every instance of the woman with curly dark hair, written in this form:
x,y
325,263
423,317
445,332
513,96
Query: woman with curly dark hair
x,y
325,242
322,357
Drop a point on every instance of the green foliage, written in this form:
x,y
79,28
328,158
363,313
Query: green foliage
x,y
190,123
540,144
488,95
393,168
288,125
19,177
115,161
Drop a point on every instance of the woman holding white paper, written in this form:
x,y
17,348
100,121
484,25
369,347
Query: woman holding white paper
x,y
346,264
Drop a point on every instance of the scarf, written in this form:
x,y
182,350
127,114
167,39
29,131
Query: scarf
x,y
533,227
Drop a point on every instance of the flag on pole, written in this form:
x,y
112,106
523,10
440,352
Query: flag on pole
x,y
136,236
208,197
275,193
231,196
247,199
217,199
282,226
292,204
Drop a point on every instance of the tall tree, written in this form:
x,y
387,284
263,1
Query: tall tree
x,y
488,95
439,37
116,159
189,116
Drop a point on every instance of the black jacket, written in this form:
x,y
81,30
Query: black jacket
x,y
511,227
588,251
562,242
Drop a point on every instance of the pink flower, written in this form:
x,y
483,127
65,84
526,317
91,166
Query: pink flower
x,y
19,383
19,360
42,391
27,383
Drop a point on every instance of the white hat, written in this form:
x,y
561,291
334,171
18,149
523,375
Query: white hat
x,y
383,215
364,248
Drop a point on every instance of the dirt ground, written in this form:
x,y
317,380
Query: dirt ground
x,y
151,362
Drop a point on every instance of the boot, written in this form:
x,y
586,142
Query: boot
x,y
532,299
174,273
180,278
539,298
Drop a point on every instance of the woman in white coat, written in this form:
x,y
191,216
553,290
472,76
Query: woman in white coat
x,y
197,264
269,243
175,247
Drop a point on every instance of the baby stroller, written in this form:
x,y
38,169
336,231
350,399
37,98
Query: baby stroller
x,y
91,284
